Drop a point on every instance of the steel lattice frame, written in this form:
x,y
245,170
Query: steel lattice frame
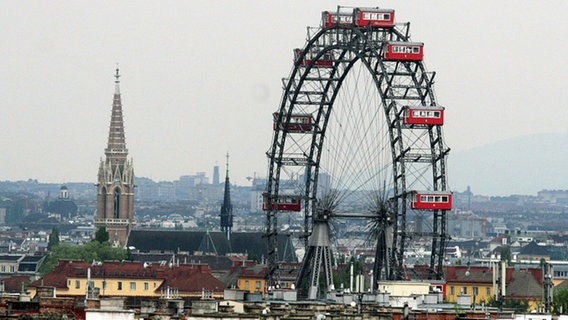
x,y
415,154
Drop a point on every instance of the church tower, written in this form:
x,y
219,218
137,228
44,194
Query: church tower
x,y
115,196
227,208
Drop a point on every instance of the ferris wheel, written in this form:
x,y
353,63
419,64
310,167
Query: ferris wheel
x,y
358,135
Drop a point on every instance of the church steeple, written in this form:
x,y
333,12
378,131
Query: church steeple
x,y
115,197
227,208
116,146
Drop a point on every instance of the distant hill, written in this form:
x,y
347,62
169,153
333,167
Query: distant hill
x,y
521,165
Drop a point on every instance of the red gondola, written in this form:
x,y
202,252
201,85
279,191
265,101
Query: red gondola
x,y
298,122
404,51
431,200
432,115
285,202
373,17
329,19
325,60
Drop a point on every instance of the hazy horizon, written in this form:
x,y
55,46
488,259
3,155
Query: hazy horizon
x,y
202,79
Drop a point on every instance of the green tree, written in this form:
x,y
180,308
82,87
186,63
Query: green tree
x,y
560,301
519,305
506,255
101,235
53,238
89,252
253,257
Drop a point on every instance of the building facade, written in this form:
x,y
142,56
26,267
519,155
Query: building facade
x,y
115,196
130,279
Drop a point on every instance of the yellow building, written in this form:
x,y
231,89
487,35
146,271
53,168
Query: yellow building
x,y
478,284
252,279
129,279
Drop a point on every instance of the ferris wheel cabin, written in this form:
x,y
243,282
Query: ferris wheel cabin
x,y
325,60
403,51
284,203
373,17
431,200
429,115
303,122
329,19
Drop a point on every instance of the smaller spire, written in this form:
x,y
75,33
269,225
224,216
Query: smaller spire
x,y
117,81
227,172
227,207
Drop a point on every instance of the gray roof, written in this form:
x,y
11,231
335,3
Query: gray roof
x,y
193,242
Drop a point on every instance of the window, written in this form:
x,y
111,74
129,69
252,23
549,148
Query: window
x,y
488,292
12,269
257,285
145,286
104,284
132,285
119,285
452,290
77,284
475,291
3,268
464,291
246,284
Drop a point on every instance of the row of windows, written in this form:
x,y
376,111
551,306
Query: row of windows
x,y
341,18
118,285
296,120
376,16
425,114
300,120
257,285
288,200
560,274
12,269
405,49
475,290
433,198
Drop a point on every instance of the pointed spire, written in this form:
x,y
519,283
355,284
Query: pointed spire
x,y
117,81
227,165
227,208
116,148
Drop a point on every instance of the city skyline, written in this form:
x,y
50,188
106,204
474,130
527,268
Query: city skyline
x,y
201,80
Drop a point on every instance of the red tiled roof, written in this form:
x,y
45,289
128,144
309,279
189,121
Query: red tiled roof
x,y
14,284
499,238
185,278
465,274
258,271
525,283
191,279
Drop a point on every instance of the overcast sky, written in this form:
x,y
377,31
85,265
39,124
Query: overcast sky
x,y
200,78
